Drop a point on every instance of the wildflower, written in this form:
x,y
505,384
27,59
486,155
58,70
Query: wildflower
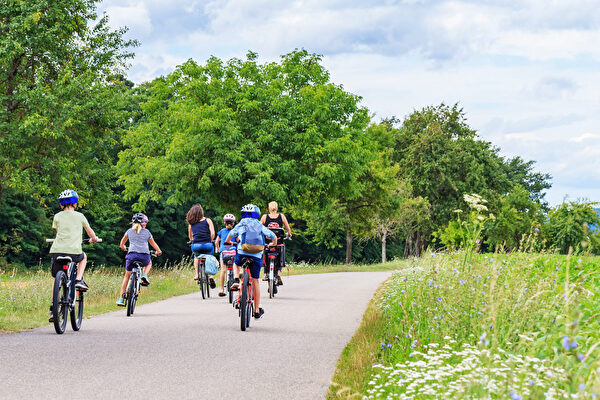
x,y
432,254
580,356
530,383
565,342
431,283
515,396
439,299
581,386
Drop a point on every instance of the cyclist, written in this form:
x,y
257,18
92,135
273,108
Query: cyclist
x,y
225,252
68,224
138,237
275,219
250,225
201,233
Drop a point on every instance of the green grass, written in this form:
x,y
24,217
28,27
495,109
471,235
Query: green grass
x,y
25,296
501,326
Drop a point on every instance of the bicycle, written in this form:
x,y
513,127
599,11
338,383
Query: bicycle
x,y
133,286
202,277
245,300
64,299
272,253
229,255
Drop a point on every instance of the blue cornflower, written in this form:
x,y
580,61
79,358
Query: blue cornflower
x,y
515,396
431,283
530,383
402,291
581,386
581,357
462,281
439,299
432,254
565,342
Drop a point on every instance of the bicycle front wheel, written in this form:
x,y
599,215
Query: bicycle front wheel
x,y
60,300
131,295
244,302
202,280
77,312
229,284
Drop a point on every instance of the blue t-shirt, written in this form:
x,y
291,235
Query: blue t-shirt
x,y
241,228
222,234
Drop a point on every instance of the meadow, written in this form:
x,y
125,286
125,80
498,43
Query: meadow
x,y
496,326
25,296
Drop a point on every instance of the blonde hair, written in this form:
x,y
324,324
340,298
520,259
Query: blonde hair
x,y
273,206
137,227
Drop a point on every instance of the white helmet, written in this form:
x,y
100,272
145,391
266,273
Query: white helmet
x,y
229,217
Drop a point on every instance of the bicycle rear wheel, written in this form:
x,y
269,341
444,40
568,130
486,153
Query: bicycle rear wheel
x,y
202,279
244,302
60,301
77,312
131,295
229,284
271,280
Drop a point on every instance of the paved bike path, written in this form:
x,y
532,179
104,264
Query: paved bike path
x,y
189,348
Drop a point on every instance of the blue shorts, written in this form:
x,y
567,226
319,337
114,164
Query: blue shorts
x,y
255,264
202,248
130,258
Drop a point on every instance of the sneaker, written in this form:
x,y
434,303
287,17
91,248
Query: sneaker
x,y
212,283
121,302
145,280
259,314
266,278
279,281
236,284
81,286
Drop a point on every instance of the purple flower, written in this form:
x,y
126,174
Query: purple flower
x,y
581,357
565,342
581,386
431,283
515,396
530,383
439,299
574,344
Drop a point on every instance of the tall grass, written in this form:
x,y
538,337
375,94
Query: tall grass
x,y
502,326
25,297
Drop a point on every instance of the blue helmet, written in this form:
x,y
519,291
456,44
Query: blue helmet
x,y
67,197
250,211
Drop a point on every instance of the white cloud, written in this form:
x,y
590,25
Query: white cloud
x,y
585,136
134,16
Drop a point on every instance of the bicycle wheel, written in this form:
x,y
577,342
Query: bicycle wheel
x,y
131,295
249,314
271,281
202,279
60,296
77,312
244,302
229,284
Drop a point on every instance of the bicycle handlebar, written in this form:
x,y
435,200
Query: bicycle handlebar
x,y
84,241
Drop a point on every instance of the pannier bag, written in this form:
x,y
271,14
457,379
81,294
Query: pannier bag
x,y
211,265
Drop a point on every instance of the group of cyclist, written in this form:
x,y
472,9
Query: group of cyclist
x,y
233,241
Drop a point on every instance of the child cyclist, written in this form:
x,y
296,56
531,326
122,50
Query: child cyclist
x,y
138,237
69,225
225,252
250,225
201,233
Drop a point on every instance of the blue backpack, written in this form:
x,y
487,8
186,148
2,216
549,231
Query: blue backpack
x,y
253,240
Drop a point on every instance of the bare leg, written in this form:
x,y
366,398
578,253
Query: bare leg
x,y
223,272
148,267
196,267
81,267
256,290
125,280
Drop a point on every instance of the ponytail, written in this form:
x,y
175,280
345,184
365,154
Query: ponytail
x,y
137,227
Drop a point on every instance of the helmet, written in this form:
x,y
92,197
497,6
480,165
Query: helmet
x,y
139,218
229,217
67,197
250,211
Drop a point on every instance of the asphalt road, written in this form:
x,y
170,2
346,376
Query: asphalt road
x,y
189,348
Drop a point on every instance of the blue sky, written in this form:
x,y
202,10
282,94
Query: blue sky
x,y
527,73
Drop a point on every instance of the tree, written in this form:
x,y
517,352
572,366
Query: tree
x,y
568,225
59,98
238,132
402,215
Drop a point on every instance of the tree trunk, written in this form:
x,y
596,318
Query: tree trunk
x,y
383,242
349,246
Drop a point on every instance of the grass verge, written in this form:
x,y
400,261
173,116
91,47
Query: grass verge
x,y
495,326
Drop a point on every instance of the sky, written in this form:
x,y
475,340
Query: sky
x,y
526,73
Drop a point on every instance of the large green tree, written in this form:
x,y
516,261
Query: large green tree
x,y
60,96
240,131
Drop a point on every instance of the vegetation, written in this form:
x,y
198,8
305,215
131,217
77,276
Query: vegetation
x,y
224,133
501,326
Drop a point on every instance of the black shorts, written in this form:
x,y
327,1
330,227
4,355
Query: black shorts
x,y
56,266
